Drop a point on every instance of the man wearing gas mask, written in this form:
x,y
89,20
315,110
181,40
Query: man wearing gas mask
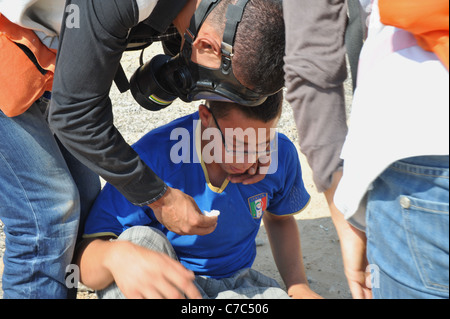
x,y
232,50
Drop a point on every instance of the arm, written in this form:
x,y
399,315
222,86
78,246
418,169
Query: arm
x,y
94,272
284,240
315,71
81,111
137,271
353,246
81,114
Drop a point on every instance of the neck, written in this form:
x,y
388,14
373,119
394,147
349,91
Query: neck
x,y
215,172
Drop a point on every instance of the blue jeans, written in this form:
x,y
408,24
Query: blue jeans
x,y
408,229
40,205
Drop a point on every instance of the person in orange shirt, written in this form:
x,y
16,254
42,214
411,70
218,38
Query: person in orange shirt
x,y
426,20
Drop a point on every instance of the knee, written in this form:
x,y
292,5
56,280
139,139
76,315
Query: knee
x,y
150,238
66,205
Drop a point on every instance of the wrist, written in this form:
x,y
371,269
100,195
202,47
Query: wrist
x,y
97,262
114,253
296,287
162,199
301,291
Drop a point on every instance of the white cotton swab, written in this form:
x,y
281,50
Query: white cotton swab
x,y
212,213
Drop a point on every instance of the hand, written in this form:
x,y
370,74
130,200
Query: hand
x,y
142,273
353,246
256,173
357,282
353,249
302,291
180,214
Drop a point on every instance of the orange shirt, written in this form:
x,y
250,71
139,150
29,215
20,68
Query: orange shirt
x,y
21,81
427,20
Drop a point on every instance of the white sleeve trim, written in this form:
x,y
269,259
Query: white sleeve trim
x,y
145,8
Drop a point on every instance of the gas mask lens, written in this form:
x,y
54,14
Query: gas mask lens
x,y
148,85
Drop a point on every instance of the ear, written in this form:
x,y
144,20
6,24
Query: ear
x,y
205,115
206,49
207,45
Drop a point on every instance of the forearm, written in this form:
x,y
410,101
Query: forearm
x,y
353,250
139,272
92,261
353,240
353,246
284,240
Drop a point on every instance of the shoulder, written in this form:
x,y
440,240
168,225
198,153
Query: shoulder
x,y
286,144
286,150
285,161
166,132
157,146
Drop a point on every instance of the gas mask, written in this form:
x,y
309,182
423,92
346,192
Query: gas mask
x,y
156,84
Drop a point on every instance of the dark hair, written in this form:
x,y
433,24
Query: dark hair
x,y
266,112
259,45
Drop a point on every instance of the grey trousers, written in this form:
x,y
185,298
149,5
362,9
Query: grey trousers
x,y
245,284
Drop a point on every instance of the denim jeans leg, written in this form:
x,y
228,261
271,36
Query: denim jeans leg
x,y
39,206
408,229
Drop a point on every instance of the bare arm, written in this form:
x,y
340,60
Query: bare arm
x,y
138,272
284,240
91,256
353,246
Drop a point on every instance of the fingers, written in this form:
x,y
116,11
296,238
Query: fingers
x,y
246,178
253,169
157,276
205,225
199,225
176,282
182,285
172,288
359,290
254,174
168,288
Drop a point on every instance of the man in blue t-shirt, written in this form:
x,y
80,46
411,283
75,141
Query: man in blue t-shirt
x,y
197,154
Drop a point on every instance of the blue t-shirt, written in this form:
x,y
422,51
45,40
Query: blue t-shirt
x,y
173,153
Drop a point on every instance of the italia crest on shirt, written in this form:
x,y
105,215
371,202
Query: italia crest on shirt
x,y
258,204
